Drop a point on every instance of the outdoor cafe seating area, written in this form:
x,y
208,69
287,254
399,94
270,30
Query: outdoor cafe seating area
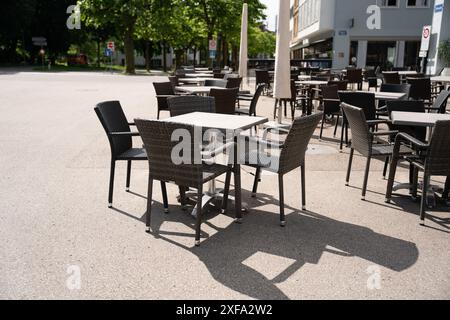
x,y
397,117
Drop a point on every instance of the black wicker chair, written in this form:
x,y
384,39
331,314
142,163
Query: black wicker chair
x,y
164,90
420,89
433,160
187,104
225,100
216,83
292,156
355,76
363,142
263,77
251,111
440,104
331,105
119,134
233,83
157,137
391,78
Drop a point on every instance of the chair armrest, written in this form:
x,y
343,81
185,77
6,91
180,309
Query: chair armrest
x,y
132,124
165,96
124,134
384,133
404,137
331,100
380,121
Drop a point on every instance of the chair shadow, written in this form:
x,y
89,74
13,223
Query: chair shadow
x,y
306,238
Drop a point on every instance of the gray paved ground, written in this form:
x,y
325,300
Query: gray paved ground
x,y
54,176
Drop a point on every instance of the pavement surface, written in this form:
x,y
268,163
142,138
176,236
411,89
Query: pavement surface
x,y
58,239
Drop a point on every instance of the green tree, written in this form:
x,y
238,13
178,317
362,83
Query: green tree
x,y
261,42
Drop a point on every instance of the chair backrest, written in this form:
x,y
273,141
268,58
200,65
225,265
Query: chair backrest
x,y
113,119
174,81
157,137
181,72
320,78
363,100
216,83
296,144
441,102
361,138
256,96
420,88
354,75
234,83
230,75
391,77
330,92
225,100
342,84
218,75
438,156
397,88
188,104
417,106
262,76
163,88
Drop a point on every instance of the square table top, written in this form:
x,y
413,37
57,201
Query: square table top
x,y
304,77
385,95
312,83
195,80
196,89
218,121
407,73
198,75
445,79
417,119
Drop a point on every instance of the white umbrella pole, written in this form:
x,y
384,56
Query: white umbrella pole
x,y
243,54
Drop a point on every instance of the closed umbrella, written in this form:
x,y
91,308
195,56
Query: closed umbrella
x,y
282,85
243,55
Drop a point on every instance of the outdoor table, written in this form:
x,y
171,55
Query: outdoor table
x,y
311,84
202,69
197,81
419,120
199,90
386,96
304,77
229,124
407,73
441,79
198,75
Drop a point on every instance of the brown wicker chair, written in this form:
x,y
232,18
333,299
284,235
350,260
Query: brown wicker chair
x,y
163,91
292,156
119,134
216,83
420,89
225,100
187,104
263,77
363,142
234,83
440,104
157,137
355,76
251,111
433,160
331,105
341,84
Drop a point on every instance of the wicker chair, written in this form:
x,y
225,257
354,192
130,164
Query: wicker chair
x,y
371,78
187,104
396,88
119,134
440,104
408,106
363,100
391,78
157,137
225,100
234,83
331,105
363,142
216,83
434,160
420,89
164,90
251,111
341,84
355,76
292,156
263,77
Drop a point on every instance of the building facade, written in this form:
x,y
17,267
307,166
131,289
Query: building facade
x,y
385,33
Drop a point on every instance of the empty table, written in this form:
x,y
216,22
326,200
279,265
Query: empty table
x,y
198,75
386,96
417,119
200,90
197,81
229,124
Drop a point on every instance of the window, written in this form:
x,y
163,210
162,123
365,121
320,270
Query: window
x,y
418,3
388,3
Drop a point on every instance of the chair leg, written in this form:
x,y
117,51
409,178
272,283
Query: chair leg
x,y
350,163
111,183
159,113
199,215
303,178
255,184
226,191
342,136
164,194
322,125
149,204
275,109
415,183
336,126
391,179
128,176
386,165
183,197
446,189
366,178
285,108
426,180
281,188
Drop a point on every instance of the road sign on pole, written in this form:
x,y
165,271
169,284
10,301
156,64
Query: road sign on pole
x,y
111,46
426,35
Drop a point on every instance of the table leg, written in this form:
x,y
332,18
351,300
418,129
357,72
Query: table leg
x,y
237,183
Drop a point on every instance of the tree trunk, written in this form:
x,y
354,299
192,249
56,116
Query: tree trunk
x,y
225,53
178,58
147,56
129,49
195,56
98,53
209,61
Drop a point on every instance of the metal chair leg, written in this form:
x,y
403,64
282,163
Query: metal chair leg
x,y
366,178
111,183
336,126
415,183
423,203
149,204
386,165
164,195
303,178
349,169
255,184
281,188
128,176
391,179
199,215
322,125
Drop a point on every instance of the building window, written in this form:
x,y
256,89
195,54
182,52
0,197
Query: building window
x,y
388,3
418,3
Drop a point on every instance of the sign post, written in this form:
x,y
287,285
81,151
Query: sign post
x,y
212,49
111,48
425,46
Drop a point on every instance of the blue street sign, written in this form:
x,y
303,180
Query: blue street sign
x,y
212,54
439,8
108,52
